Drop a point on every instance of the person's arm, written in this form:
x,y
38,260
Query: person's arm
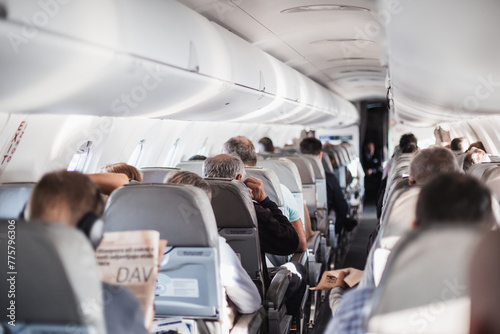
x,y
299,228
277,235
338,290
239,286
108,182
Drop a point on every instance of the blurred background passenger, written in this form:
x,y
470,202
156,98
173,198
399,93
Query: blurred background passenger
x,y
121,167
474,156
72,199
266,145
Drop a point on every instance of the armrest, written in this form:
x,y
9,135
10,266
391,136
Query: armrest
x,y
249,323
313,242
276,293
300,257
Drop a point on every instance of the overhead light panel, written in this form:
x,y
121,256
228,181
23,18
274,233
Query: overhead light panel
x,y
315,8
342,40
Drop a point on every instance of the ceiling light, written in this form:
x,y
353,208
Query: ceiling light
x,y
353,59
313,8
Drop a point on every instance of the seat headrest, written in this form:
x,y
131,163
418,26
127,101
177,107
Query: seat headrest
x,y
195,166
181,213
305,168
287,172
319,172
157,174
422,272
327,164
13,198
57,280
271,182
232,204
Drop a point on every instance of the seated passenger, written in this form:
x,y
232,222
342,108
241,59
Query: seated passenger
x,y
477,144
335,197
239,286
483,286
72,199
459,145
123,168
276,235
243,147
197,157
474,156
430,162
266,145
445,199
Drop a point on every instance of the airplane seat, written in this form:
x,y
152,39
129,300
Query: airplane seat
x,y
195,166
56,280
270,181
237,222
397,184
460,160
491,178
289,176
396,221
157,174
184,217
424,286
13,198
308,180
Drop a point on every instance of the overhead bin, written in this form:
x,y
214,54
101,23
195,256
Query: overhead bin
x,y
449,65
155,59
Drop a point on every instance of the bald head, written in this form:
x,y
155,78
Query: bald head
x,y
484,291
224,166
242,147
430,162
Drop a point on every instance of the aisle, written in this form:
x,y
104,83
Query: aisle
x,y
356,254
355,257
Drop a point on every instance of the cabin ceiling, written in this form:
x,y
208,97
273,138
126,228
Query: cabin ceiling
x,y
336,43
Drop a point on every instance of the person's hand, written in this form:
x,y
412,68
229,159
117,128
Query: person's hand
x,y
257,188
340,280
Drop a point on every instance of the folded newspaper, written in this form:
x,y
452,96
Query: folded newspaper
x,y
329,277
131,259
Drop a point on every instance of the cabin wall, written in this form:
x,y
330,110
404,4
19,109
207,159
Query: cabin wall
x,y
36,144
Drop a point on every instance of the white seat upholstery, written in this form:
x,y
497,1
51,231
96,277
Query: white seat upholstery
x,y
424,286
157,174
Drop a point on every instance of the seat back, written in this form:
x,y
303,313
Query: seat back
x,y
289,176
237,222
271,183
491,178
477,170
56,280
188,281
157,174
13,198
319,174
308,179
195,166
424,286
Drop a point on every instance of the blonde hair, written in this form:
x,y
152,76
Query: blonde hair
x,y
121,167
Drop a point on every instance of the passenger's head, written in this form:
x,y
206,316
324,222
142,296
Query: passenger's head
x,y
474,156
410,148
65,197
454,198
484,276
266,145
242,147
197,157
224,166
186,177
407,139
431,162
121,167
459,144
370,147
478,145
310,146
